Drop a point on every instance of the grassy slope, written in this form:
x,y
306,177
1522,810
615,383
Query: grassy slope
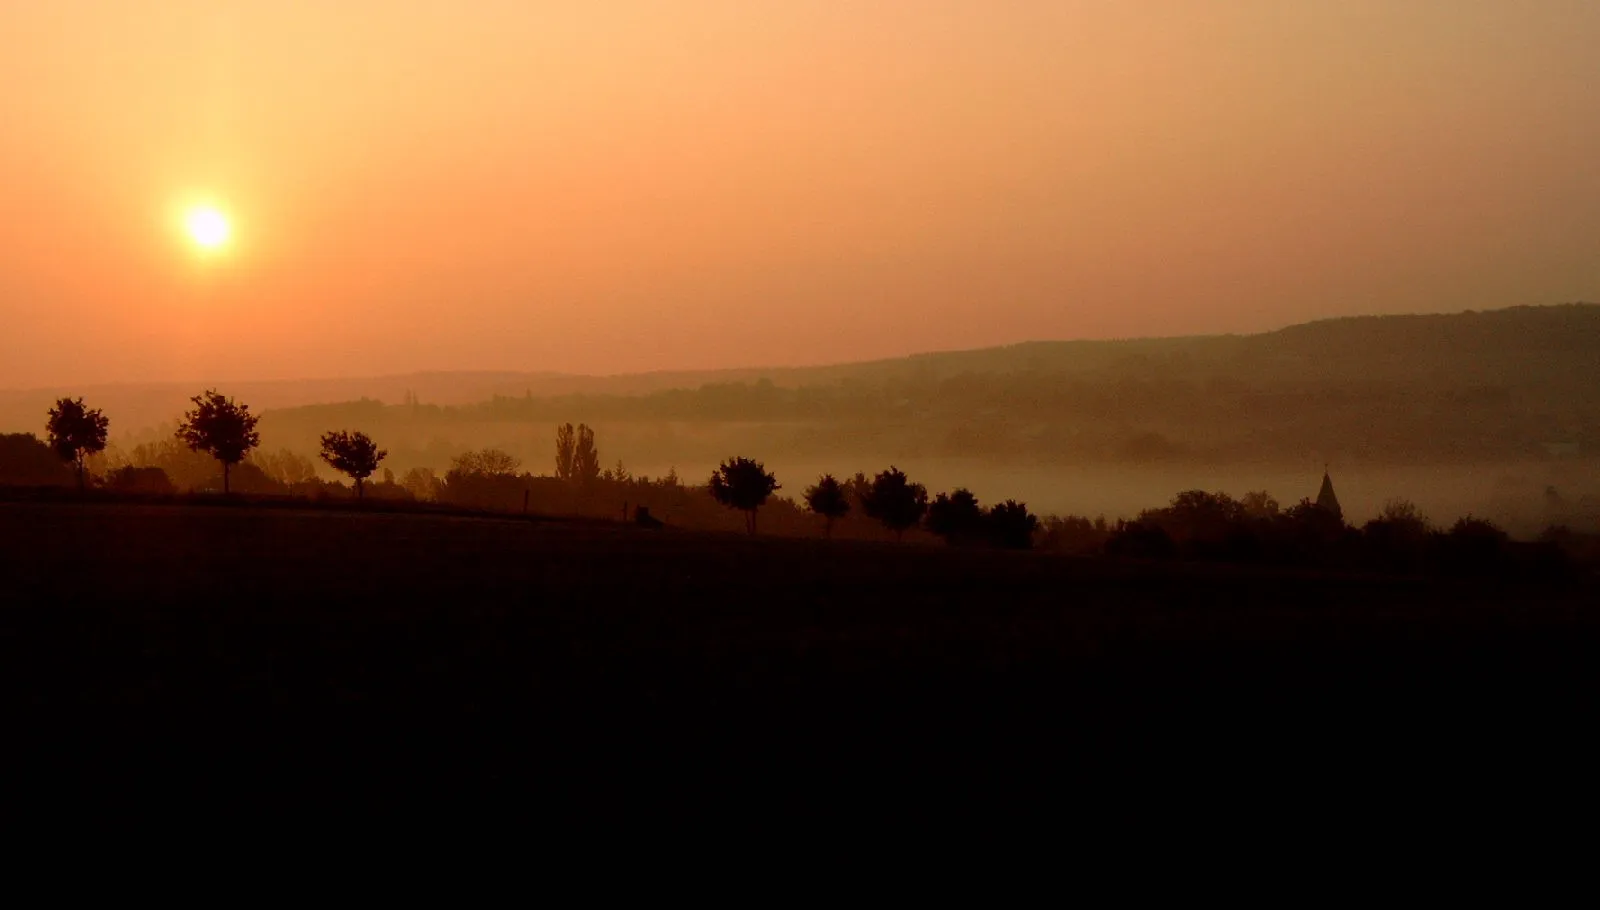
x,y
302,656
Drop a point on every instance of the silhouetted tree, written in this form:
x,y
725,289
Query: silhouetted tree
x,y
74,432
422,484
484,462
744,484
1011,525
566,452
1474,546
1075,534
285,467
617,473
221,427
585,457
1398,538
827,498
895,500
956,517
1259,504
352,454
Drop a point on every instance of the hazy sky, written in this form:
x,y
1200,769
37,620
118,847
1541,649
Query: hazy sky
x,y
643,184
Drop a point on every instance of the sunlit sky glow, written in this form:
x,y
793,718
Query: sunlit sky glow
x,y
648,184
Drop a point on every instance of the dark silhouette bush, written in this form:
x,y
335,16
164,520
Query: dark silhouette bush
x,y
1140,540
25,461
143,481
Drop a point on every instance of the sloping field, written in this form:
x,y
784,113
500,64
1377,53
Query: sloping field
x,y
292,657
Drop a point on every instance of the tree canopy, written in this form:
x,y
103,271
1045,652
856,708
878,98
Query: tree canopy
x,y
744,484
827,498
75,432
221,427
895,501
352,454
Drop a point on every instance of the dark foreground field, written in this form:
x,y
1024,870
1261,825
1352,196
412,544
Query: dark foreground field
x,y
155,654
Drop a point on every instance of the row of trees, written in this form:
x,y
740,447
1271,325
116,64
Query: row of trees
x,y
890,498
217,426
1206,526
1194,525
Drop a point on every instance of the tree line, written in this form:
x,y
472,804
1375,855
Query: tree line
x,y
1195,525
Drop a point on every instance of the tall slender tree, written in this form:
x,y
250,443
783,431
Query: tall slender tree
x,y
76,432
566,451
585,457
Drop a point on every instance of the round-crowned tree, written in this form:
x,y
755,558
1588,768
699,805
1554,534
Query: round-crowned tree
x,y
352,454
222,428
827,498
894,500
76,432
956,517
1011,525
743,484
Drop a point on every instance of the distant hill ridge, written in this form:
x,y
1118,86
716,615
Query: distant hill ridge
x,y
1560,343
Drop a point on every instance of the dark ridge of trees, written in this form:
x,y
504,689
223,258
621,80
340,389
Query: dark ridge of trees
x,y
75,432
1194,525
221,427
895,501
25,461
828,498
743,484
960,520
354,455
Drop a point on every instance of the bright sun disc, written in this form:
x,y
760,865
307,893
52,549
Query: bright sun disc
x,y
208,227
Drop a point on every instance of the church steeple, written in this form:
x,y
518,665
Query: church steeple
x,y
1326,500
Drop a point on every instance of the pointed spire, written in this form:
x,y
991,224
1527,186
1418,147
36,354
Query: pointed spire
x,y
1327,501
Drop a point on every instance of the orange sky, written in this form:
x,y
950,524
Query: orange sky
x,y
646,184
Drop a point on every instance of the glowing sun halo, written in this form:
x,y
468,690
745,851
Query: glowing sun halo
x,y
208,228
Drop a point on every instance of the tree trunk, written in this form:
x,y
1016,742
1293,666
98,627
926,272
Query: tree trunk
x,y
750,522
360,494
82,486
827,527
225,469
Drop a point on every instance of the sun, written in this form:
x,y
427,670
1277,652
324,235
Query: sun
x,y
208,227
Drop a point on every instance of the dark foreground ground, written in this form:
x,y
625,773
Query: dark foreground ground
x,y
156,655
